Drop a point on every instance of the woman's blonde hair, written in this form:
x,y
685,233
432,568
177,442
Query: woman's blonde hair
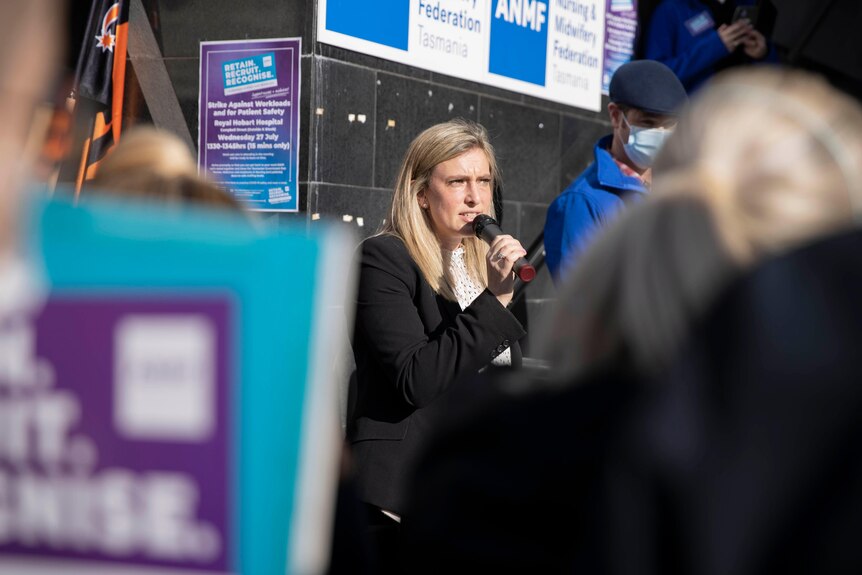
x,y
412,224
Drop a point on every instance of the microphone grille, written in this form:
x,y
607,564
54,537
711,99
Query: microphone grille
x,y
480,221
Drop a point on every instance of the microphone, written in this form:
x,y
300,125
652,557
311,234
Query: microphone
x,y
488,229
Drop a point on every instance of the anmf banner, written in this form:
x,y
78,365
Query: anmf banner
x,y
550,49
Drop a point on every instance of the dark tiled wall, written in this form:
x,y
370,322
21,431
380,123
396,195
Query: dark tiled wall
x,y
359,113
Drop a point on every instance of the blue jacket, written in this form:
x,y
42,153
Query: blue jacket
x,y
589,203
683,35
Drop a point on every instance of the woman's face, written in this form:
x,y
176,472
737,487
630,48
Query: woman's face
x,y
458,190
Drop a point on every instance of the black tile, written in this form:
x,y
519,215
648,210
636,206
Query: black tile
x,y
361,209
343,119
146,99
307,137
405,107
510,218
269,221
475,87
531,221
511,222
577,140
293,220
304,200
183,24
184,74
372,62
135,110
541,103
533,312
532,224
526,222
539,313
527,141
282,220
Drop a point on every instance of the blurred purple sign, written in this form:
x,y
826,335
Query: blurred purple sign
x,y
248,135
621,29
115,435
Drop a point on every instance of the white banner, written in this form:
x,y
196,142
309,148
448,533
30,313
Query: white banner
x,y
551,49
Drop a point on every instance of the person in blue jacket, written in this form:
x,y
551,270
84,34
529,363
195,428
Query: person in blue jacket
x,y
698,38
645,98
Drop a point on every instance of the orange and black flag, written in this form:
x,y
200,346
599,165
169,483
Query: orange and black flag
x,y
101,77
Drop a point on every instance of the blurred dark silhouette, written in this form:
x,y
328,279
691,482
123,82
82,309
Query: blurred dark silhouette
x,y
821,36
700,412
740,458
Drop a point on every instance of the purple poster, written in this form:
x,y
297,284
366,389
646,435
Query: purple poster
x,y
621,28
248,135
115,435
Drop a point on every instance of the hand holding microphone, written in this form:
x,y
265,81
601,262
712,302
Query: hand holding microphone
x,y
488,229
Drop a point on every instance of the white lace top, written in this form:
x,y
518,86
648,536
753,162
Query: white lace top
x,y
467,290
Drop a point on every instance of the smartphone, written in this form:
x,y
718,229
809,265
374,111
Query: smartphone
x,y
746,13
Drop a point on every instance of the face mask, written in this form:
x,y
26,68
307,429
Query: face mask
x,y
644,144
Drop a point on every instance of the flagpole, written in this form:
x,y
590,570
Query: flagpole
x,y
82,53
100,77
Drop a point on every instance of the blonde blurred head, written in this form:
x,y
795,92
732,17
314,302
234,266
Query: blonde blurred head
x,y
409,222
147,151
763,160
775,154
155,165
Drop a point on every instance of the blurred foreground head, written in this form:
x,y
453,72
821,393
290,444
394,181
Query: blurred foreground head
x,y
31,36
776,155
153,165
763,161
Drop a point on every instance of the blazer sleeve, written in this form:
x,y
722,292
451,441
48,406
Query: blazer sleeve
x,y
421,361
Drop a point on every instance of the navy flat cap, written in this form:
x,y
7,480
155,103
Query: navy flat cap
x,y
649,86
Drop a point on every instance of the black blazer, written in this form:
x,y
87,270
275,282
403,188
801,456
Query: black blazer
x,y
410,345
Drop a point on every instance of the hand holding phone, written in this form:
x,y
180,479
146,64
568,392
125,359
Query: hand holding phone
x,y
746,13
